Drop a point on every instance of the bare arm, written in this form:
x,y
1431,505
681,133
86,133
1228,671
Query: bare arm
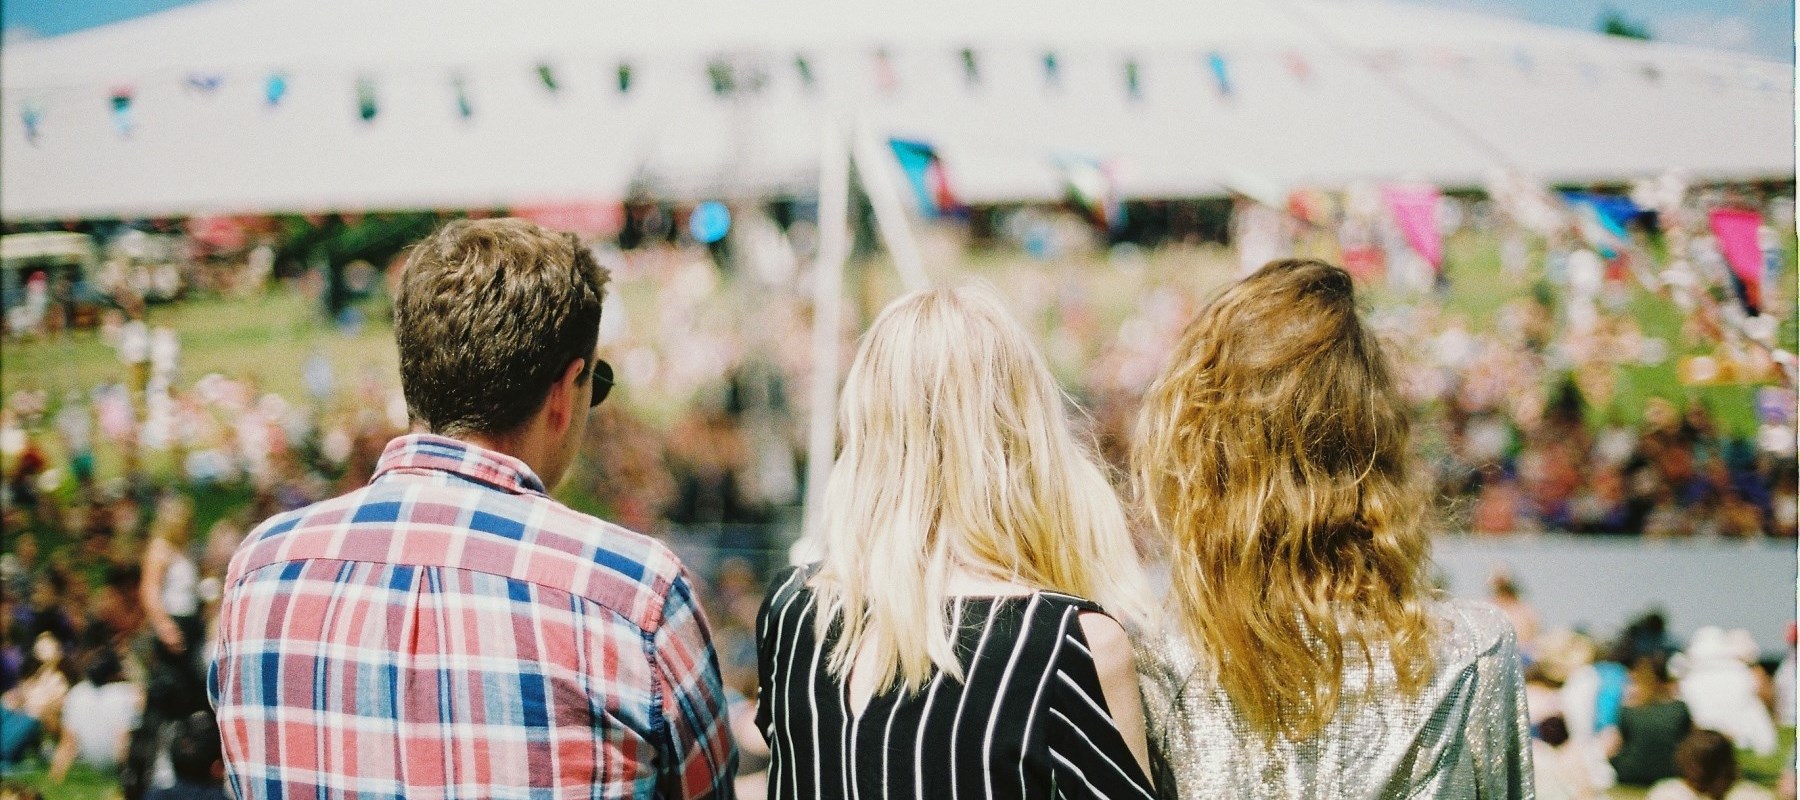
x,y
1119,681
64,758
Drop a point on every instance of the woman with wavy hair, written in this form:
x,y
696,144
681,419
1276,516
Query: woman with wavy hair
x,y
1306,654
951,640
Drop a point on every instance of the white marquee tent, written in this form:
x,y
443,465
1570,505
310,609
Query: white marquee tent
x,y
1319,92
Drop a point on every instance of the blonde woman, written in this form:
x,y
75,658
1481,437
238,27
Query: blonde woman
x,y
1306,655
170,594
951,641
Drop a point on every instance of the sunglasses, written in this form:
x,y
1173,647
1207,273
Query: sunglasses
x,y
603,382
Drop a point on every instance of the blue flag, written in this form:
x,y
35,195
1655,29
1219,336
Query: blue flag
x,y
925,172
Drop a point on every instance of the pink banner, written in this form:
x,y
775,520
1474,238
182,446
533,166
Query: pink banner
x,y
1736,230
1415,209
580,217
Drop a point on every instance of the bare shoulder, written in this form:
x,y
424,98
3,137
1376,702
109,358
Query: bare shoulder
x,y
1109,645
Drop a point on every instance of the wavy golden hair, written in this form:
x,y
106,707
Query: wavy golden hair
x,y
1272,456
958,454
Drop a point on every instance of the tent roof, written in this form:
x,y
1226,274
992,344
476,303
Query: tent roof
x,y
1322,92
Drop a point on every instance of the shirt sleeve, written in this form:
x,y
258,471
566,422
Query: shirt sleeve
x,y
765,644
1088,755
699,758
1504,746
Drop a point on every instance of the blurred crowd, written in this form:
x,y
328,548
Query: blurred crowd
x,y
123,501
1704,718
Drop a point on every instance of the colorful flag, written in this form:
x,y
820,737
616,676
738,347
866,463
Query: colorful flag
x,y
274,89
925,171
1602,220
1415,210
121,110
205,83
1091,185
1298,66
1736,229
803,66
886,79
721,76
971,67
1221,72
32,116
460,86
366,105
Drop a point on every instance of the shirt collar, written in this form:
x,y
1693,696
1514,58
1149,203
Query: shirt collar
x,y
424,452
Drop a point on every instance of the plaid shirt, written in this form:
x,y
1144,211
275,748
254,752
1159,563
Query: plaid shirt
x,y
449,631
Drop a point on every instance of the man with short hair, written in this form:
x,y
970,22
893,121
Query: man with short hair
x,y
449,630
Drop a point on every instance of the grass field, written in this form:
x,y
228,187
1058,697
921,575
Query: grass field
x,y
267,338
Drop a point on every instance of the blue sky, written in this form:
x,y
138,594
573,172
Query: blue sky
x,y
1760,27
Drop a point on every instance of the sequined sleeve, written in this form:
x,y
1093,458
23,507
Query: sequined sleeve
x,y
1464,735
1500,732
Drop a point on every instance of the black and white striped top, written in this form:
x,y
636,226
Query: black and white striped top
x,y
1028,721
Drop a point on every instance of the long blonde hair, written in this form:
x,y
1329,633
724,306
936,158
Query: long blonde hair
x,y
1272,456
957,451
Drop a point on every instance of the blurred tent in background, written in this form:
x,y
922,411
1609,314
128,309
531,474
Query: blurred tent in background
x,y
238,106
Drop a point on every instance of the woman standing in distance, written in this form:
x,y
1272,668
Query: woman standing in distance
x,y
950,642
1306,655
170,594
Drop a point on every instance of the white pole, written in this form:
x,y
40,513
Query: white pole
x,y
877,172
828,300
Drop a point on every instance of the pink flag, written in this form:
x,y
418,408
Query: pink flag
x,y
1736,230
1415,209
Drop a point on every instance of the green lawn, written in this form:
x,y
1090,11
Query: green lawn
x,y
267,338
82,783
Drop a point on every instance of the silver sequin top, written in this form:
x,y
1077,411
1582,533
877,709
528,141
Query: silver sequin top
x,y
1465,736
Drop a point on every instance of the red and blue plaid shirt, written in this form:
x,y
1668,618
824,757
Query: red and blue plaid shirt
x,y
449,631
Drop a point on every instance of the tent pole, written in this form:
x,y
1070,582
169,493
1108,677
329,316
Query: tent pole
x,y
873,167
828,299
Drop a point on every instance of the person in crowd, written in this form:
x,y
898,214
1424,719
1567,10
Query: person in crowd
x,y
32,711
1503,592
196,758
957,634
1721,685
19,566
116,612
169,592
1306,654
1651,723
98,716
1588,700
1561,771
48,610
528,649
1706,769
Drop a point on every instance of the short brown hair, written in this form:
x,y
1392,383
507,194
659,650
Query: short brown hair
x,y
1706,762
489,314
